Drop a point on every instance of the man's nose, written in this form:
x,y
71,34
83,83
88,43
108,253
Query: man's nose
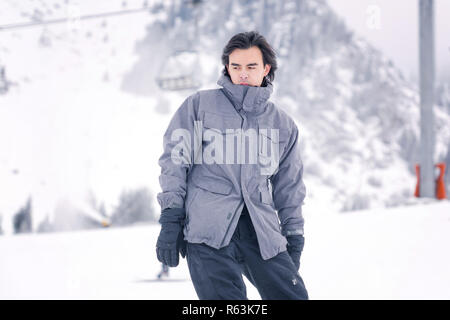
x,y
243,76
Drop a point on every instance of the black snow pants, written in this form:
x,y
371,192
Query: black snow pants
x,y
217,273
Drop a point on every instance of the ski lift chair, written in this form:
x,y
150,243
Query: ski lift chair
x,y
180,71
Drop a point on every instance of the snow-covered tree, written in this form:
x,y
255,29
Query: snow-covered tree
x,y
45,225
134,206
22,219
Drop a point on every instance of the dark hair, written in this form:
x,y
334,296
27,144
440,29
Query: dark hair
x,y
246,40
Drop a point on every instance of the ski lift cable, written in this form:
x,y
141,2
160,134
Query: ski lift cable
x,y
61,20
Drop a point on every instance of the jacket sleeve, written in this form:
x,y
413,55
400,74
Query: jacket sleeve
x,y
177,158
288,188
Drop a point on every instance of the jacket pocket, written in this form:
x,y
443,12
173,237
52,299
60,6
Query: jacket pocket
x,y
272,138
220,123
271,145
213,185
211,211
220,138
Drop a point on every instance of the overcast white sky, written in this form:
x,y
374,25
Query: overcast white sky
x,y
396,34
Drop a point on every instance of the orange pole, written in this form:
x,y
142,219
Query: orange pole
x,y
440,184
417,192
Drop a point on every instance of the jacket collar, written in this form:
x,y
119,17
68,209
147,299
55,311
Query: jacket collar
x,y
251,99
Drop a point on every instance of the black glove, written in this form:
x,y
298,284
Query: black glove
x,y
171,239
295,248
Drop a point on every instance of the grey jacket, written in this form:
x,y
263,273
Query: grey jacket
x,y
208,167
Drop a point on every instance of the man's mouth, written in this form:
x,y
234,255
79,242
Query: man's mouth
x,y
244,83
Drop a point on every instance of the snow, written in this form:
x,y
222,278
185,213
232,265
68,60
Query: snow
x,y
84,115
68,127
398,253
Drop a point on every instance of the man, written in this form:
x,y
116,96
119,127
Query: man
x,y
228,213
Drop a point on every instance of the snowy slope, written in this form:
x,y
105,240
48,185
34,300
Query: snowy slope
x,y
398,253
67,127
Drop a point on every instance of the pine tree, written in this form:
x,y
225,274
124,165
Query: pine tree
x,y
45,225
134,206
22,219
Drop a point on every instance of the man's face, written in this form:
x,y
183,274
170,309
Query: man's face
x,y
246,67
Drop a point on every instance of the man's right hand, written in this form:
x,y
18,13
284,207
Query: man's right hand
x,y
171,239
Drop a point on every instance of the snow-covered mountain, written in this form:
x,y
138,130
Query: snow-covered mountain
x,y
359,116
83,113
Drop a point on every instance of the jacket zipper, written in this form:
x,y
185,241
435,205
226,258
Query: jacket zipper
x,y
231,219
